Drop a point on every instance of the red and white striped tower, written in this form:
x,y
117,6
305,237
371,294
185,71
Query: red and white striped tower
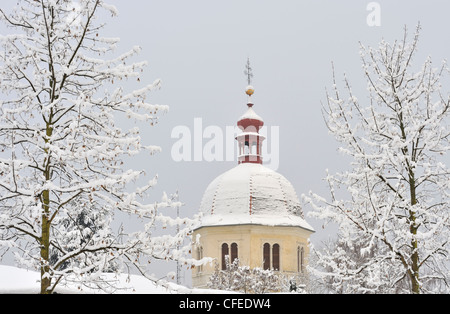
x,y
250,141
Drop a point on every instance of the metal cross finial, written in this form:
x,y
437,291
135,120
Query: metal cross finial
x,y
248,72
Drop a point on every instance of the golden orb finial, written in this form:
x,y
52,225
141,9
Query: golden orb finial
x,y
250,90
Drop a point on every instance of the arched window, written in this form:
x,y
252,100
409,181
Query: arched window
x,y
254,149
271,256
234,252
276,257
225,252
246,148
266,256
300,259
199,257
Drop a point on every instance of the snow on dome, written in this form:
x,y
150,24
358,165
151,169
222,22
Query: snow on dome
x,y
251,194
251,115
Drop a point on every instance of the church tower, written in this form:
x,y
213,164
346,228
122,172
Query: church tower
x,y
251,213
250,141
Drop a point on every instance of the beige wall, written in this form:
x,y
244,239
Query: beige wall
x,y
250,240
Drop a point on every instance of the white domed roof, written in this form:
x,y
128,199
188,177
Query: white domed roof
x,y
251,194
251,114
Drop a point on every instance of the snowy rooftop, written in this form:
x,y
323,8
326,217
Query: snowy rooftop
x,y
251,114
251,194
20,281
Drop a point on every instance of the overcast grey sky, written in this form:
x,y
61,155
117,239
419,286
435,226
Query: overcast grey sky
x,y
199,48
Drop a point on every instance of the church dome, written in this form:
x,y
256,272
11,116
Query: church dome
x,y
251,194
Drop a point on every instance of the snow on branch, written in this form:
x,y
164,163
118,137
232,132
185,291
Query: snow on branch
x,y
62,176
395,195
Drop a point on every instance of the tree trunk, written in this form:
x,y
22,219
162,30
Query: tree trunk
x,y
45,245
414,274
46,224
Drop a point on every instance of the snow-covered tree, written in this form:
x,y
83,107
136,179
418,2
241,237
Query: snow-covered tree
x,y
245,279
61,152
392,206
226,279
